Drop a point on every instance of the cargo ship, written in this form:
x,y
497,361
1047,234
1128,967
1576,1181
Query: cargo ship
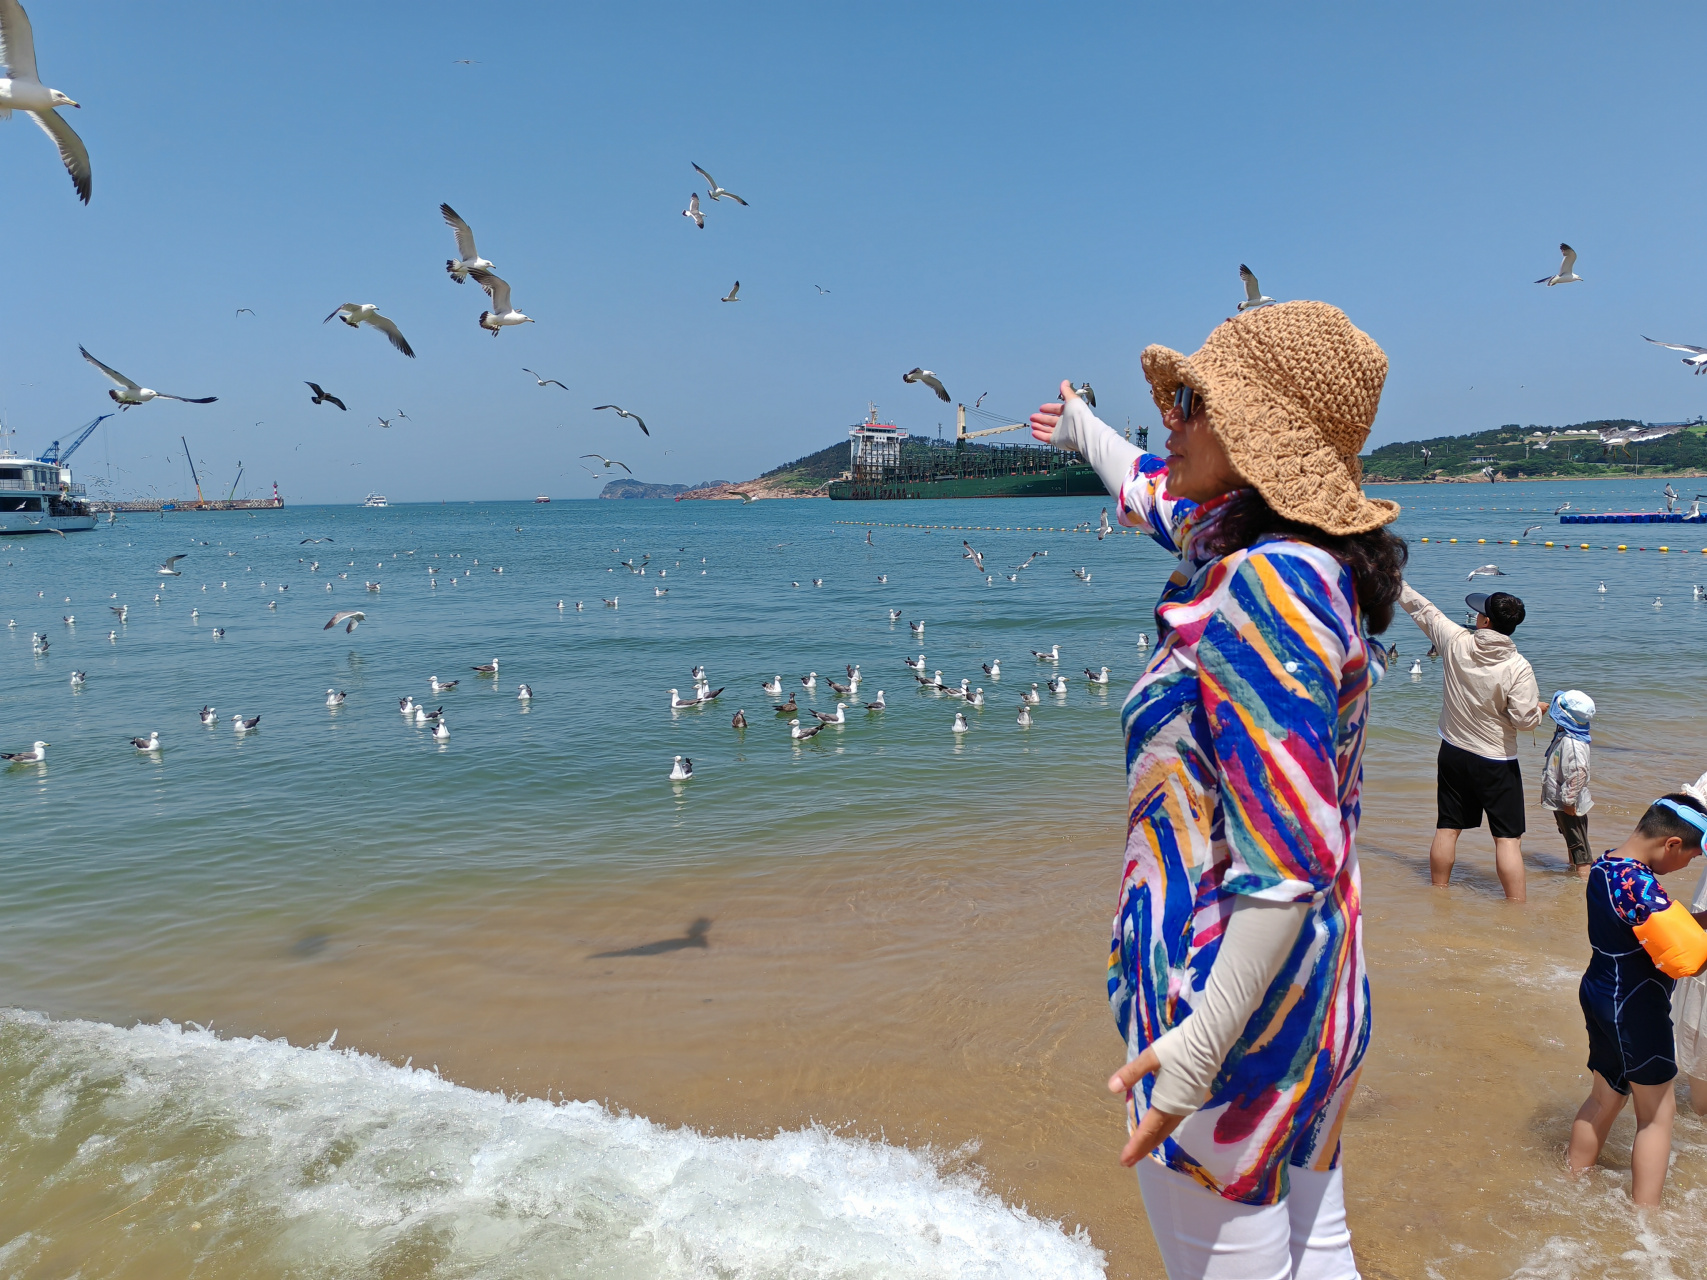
x,y
881,467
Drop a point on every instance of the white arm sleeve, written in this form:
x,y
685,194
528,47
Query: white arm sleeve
x,y
1110,454
1258,937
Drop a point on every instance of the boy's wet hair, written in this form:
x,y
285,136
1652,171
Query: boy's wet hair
x,y
1660,823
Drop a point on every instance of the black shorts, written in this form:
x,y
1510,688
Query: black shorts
x,y
1629,1040
1469,784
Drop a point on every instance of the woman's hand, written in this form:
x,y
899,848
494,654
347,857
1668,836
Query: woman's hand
x,y
1048,416
1154,1125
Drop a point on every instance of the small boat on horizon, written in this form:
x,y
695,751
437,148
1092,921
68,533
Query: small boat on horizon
x,y
375,500
543,498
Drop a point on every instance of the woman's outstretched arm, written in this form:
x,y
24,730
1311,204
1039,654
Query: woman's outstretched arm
x,y
1134,479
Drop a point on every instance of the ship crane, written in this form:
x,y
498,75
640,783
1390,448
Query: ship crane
x,y
961,433
52,452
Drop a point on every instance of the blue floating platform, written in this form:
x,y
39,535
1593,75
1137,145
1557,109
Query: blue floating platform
x,y
1634,517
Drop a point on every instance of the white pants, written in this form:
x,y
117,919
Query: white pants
x,y
1205,1237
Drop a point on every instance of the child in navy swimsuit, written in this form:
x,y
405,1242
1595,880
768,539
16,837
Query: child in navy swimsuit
x,y
1642,943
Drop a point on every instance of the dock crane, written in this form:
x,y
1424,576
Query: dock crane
x,y
962,434
53,454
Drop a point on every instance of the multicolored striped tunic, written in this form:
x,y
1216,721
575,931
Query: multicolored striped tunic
x,y
1244,760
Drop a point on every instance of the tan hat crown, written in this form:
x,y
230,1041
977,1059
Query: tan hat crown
x,y
1291,391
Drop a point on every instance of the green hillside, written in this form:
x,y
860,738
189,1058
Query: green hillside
x,y
1515,451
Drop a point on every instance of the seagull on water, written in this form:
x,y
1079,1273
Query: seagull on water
x,y
917,374
716,192
128,394
23,90
1254,296
489,669
353,618
692,211
774,688
1601,588
208,717
498,289
678,703
407,705
810,680
789,708
1143,641
916,666
1024,720
1058,684
441,731
467,258
1082,574
219,633
799,734
681,770
975,698
882,578
1657,603
78,677
241,725
423,716
1054,654
335,697
1567,273
1486,571
1097,677
841,716
526,694
356,314
35,755
960,725
322,397
733,295
150,743
1416,668
624,413
878,705
1031,695
918,627
894,614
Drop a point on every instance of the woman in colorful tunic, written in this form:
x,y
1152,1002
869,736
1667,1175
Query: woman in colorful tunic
x,y
1236,974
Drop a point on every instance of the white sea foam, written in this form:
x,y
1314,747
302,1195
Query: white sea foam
x,y
329,1162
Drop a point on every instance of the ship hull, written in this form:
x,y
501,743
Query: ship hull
x,y
18,522
1060,482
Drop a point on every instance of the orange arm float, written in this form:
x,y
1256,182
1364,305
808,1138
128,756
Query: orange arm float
x,y
1674,941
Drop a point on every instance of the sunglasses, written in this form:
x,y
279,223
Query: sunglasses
x,y
1187,401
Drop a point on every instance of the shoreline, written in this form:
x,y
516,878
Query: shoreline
x,y
1479,479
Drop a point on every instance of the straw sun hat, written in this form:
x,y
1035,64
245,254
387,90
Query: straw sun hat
x,y
1291,391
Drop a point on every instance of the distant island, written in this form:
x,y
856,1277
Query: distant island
x,y
1535,453
627,488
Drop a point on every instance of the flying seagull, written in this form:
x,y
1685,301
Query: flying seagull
x,y
717,192
24,91
240,311
324,397
609,462
731,296
1567,269
972,554
1532,528
1486,571
356,314
1103,526
692,211
543,382
929,379
355,618
467,257
624,413
498,289
385,422
820,288
1087,395
168,569
1696,359
128,393
1254,296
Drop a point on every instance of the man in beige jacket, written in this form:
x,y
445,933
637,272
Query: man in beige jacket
x,y
1490,694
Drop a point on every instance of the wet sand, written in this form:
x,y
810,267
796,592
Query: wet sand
x,y
949,991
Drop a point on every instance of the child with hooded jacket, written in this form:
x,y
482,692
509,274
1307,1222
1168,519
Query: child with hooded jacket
x,y
1564,774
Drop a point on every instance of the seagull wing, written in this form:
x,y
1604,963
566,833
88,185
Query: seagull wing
x,y
342,307
1675,346
614,463
463,232
1568,265
329,398
172,560
497,288
1253,291
17,41
345,617
935,384
391,331
187,399
710,181
71,148
111,372
737,199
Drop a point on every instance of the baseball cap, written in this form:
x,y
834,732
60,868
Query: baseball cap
x,y
1502,609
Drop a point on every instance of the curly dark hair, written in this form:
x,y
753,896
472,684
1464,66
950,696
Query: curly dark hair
x,y
1376,559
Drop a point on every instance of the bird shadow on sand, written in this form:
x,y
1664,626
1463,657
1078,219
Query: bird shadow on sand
x,y
694,937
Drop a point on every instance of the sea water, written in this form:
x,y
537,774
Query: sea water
x,y
138,883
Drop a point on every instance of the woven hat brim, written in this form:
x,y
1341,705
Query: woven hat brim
x,y
1297,472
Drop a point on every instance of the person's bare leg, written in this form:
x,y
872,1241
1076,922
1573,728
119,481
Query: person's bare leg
x,y
1593,1123
1508,863
1442,853
1656,1105
1582,871
1698,1095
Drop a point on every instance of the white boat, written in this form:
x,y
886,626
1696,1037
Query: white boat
x,y
375,500
37,496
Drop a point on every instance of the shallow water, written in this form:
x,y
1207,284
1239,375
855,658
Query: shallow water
x,y
904,930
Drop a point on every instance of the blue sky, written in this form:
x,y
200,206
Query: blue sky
x,y
1006,194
